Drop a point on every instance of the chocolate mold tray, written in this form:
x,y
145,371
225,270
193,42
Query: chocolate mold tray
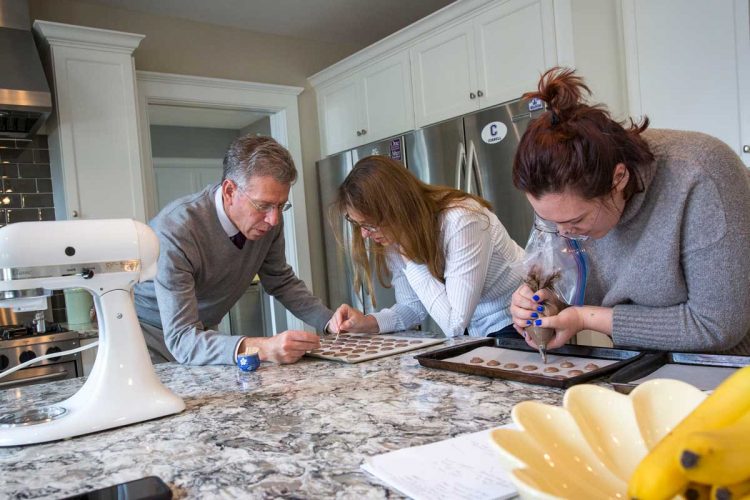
x,y
358,347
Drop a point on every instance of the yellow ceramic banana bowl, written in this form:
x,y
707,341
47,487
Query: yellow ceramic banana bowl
x,y
589,447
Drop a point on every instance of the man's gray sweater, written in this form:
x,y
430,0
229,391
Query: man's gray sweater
x,y
676,268
201,274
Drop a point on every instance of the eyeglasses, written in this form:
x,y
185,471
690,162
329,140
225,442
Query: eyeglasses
x,y
547,226
366,227
266,207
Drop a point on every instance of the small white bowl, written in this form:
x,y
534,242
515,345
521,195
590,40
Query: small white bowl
x,y
589,447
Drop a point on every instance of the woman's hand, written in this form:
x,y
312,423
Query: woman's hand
x,y
566,324
348,319
526,305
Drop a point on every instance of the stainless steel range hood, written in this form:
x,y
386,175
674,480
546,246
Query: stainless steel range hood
x,y
25,99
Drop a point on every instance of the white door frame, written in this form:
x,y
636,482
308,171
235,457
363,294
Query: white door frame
x,y
215,93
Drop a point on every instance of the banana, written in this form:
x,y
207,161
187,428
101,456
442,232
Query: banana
x,y
658,475
731,491
721,456
697,491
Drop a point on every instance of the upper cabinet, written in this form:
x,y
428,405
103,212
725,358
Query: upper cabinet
x,y
689,68
367,105
469,55
93,131
492,58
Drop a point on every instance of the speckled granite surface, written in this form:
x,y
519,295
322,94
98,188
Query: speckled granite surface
x,y
299,431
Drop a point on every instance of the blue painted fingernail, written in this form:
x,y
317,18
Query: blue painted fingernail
x,y
538,322
528,322
540,308
534,315
536,298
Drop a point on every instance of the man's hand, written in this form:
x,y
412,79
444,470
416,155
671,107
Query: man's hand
x,y
286,347
348,319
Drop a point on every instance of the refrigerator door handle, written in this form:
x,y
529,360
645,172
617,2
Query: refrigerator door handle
x,y
460,163
472,171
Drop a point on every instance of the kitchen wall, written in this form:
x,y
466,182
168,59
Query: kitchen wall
x,y
260,127
27,191
185,47
190,142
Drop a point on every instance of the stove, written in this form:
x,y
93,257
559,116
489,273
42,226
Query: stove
x,y
19,343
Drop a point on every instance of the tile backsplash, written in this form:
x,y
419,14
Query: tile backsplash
x,y
27,191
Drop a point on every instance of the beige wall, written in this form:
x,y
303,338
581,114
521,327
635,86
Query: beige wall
x,y
189,48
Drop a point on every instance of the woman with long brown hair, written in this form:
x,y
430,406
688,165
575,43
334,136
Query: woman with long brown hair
x,y
668,215
444,251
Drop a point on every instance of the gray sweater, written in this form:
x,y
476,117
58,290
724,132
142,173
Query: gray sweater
x,y
201,274
676,268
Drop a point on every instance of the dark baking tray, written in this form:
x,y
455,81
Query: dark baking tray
x,y
434,359
622,379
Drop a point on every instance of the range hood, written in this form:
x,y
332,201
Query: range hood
x,y
25,99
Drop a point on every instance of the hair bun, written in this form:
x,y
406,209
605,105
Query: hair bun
x,y
562,90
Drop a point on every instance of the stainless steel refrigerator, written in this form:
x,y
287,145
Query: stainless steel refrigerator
x,y
473,153
339,267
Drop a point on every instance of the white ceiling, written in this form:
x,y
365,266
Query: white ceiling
x,y
181,116
356,22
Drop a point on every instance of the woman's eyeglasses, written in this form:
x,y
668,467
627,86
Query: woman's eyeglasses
x,y
370,229
547,226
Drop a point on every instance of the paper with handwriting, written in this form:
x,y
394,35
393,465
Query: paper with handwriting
x,y
464,467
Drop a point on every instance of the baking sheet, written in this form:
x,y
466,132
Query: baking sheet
x,y
530,362
358,347
705,378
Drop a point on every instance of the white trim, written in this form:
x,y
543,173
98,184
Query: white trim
x,y
563,14
67,35
166,162
215,93
214,83
444,18
632,73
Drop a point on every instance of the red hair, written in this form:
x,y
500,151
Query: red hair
x,y
576,146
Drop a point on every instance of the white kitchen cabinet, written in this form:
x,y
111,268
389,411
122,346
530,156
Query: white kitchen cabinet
x,y
178,177
367,105
688,66
494,57
93,131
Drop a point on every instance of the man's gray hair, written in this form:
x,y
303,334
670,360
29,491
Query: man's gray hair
x,y
251,156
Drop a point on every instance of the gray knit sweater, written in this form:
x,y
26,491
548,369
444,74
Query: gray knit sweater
x,y
676,268
201,274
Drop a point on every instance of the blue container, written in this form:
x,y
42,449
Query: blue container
x,y
248,361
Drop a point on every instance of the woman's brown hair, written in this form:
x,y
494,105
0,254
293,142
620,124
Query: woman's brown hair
x,y
405,209
576,146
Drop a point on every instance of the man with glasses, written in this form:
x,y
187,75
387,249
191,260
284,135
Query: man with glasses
x,y
213,244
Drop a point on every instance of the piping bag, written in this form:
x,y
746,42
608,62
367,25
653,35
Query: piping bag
x,y
556,263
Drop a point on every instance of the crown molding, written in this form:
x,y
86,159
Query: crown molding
x,y
59,34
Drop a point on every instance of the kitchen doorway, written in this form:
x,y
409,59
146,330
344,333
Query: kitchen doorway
x,y
186,123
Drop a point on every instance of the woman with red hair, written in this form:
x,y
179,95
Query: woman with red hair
x,y
668,216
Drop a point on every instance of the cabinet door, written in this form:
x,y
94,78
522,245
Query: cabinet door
x,y
95,138
386,89
515,43
444,75
341,120
688,68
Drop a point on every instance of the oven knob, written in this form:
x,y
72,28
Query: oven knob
x,y
26,356
4,362
53,350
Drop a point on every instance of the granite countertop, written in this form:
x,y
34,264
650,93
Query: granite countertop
x,y
299,430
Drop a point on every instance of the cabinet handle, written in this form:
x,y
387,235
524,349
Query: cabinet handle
x,y
746,148
480,93
364,131
359,132
75,214
472,95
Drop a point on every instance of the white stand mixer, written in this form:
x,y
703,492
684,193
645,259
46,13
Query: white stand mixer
x,y
107,257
